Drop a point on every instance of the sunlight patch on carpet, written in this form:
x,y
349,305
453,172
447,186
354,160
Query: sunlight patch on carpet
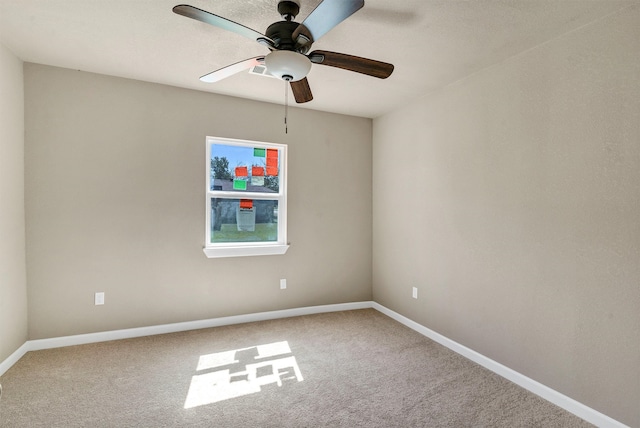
x,y
241,372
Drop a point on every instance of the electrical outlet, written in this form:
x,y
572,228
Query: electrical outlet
x,y
415,292
0,391
99,299
283,284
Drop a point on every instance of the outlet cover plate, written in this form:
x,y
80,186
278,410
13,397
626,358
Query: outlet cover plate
x,y
99,299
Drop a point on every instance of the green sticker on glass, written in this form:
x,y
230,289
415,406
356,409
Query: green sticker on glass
x,y
239,185
259,153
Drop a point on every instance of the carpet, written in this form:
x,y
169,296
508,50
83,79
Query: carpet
x,y
343,369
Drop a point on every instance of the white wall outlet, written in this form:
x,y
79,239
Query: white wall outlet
x,y
99,299
0,390
283,284
415,292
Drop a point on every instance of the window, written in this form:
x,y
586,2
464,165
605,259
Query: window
x,y
246,198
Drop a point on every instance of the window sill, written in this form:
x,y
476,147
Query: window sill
x,y
263,250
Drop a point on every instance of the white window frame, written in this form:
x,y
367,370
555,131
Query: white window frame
x,y
239,249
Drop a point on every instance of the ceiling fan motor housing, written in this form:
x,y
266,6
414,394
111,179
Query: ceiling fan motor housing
x,y
282,34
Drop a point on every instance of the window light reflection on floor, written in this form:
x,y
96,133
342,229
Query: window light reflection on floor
x,y
241,372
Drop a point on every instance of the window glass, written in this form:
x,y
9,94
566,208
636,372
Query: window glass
x,y
250,169
246,199
244,220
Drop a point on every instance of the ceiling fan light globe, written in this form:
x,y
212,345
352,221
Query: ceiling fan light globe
x,y
287,65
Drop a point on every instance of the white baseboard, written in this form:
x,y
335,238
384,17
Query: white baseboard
x,y
81,339
560,400
588,414
13,358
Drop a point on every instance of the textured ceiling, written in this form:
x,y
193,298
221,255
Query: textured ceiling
x,y
431,42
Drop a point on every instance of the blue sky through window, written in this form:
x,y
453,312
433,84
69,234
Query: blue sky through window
x,y
236,155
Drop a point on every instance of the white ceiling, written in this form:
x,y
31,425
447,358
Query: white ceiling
x,y
431,42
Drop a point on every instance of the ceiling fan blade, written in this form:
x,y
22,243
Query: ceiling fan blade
x,y
220,22
301,91
232,69
370,67
327,15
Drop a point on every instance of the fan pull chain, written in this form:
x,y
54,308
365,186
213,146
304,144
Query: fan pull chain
x,y
286,106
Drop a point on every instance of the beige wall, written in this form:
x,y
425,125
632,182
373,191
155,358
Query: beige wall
x,y
511,199
115,182
13,283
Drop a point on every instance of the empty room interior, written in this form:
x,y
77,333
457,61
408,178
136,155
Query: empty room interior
x,y
484,193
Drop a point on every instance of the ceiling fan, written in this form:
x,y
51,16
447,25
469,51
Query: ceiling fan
x,y
290,42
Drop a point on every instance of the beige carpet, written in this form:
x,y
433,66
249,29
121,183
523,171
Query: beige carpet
x,y
346,369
